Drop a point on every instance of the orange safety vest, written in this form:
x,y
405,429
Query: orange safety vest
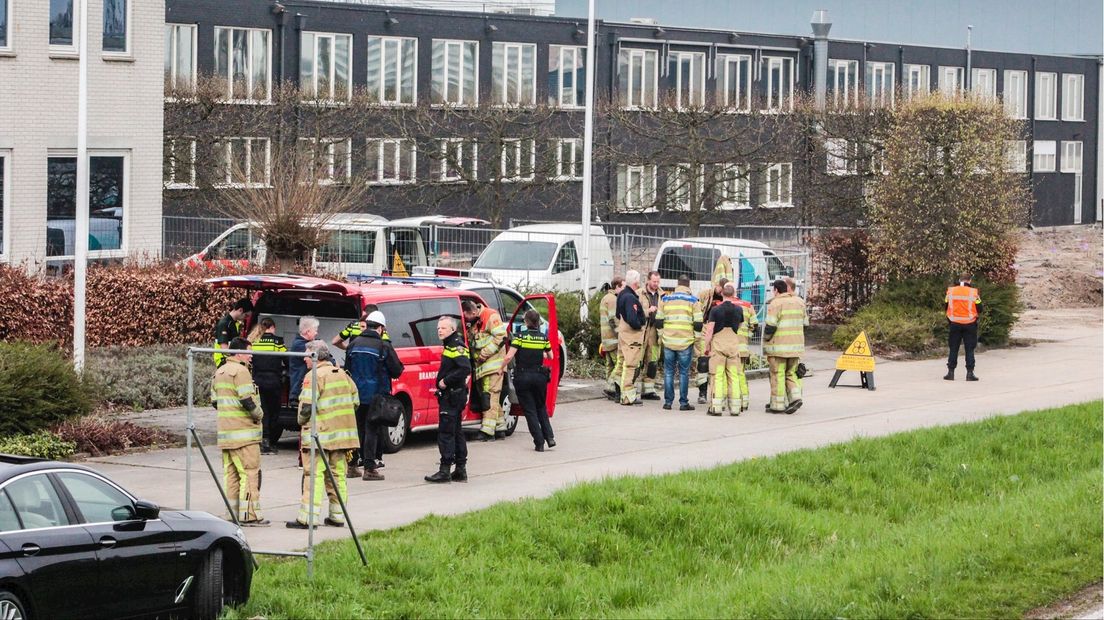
x,y
962,304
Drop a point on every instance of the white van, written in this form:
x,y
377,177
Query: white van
x,y
358,243
753,263
546,257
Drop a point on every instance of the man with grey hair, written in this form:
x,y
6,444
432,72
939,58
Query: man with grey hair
x,y
630,337
308,330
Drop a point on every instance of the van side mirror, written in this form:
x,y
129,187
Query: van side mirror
x,y
788,271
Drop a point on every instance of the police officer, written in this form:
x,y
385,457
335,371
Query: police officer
x,y
607,323
354,328
239,434
373,363
229,327
268,374
725,364
630,337
963,306
531,378
452,396
679,321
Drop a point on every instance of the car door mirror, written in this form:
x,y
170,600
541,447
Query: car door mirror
x,y
146,510
788,271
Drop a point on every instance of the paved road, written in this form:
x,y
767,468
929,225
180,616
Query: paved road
x,y
598,439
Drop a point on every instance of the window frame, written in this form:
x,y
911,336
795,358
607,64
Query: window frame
x,y
517,144
557,98
675,58
170,181
1019,103
991,92
576,159
400,143
80,513
787,90
446,69
8,47
226,144
331,159
313,94
1053,154
460,144
743,81
124,233
382,86
1043,102
840,157
174,45
959,85
127,52
778,204
249,59
728,198
1067,155
1067,97
924,72
73,47
5,203
644,171
850,91
627,99
1015,156
883,96
500,98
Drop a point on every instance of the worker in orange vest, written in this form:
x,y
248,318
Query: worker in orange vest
x,y
963,303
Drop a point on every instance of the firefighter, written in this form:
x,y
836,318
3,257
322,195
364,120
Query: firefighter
x,y
783,344
679,323
725,364
239,434
707,299
452,395
487,333
335,421
963,305
649,302
268,374
230,327
743,340
608,324
630,337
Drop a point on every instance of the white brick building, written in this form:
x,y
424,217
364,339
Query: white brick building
x,y
38,128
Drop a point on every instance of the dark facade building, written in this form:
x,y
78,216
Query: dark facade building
x,y
411,59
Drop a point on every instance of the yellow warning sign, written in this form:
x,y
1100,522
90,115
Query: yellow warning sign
x,y
398,267
857,357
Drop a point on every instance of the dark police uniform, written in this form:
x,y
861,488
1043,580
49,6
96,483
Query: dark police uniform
x,y
451,400
268,374
226,330
531,379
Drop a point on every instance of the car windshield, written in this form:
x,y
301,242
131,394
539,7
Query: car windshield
x,y
517,254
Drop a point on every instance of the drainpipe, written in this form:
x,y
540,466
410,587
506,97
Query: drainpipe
x,y
968,79
821,26
1099,168
1032,94
281,19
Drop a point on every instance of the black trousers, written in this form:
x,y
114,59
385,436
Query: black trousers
x,y
961,334
270,387
532,390
371,438
450,435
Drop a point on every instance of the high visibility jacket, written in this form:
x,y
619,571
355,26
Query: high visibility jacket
x,y
962,303
488,334
269,364
747,328
237,427
679,319
337,403
786,313
607,321
354,329
723,269
226,330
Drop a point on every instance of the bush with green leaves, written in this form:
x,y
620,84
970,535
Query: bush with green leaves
x,y
38,388
41,444
152,377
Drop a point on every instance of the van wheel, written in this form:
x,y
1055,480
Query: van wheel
x,y
396,436
11,608
209,586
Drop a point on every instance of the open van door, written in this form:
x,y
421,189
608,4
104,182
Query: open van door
x,y
545,305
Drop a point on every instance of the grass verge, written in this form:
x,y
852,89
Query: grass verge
x,y
988,519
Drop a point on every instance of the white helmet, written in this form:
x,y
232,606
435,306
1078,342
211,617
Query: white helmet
x,y
377,318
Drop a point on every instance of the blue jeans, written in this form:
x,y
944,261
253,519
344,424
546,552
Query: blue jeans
x,y
670,358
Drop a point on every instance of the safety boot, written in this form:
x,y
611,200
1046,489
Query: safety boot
x,y
702,389
441,476
460,474
950,375
970,376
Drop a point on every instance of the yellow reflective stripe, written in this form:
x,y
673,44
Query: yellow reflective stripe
x,y
239,435
455,352
245,390
333,436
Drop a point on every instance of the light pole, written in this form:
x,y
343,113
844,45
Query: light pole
x,y
80,234
588,159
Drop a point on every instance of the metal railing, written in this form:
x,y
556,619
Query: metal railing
x,y
183,236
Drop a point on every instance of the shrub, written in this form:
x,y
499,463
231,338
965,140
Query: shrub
x,y
38,388
42,444
151,377
891,326
583,337
98,435
843,277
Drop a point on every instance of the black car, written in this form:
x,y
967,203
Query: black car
x,y
74,544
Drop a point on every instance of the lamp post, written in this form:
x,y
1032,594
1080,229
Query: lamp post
x,y
80,234
588,159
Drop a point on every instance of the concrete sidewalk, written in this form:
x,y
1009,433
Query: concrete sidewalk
x,y
599,439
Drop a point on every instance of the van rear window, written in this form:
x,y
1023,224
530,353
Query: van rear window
x,y
303,304
696,262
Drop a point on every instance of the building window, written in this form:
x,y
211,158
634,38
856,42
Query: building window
x,y
458,160
734,81
325,66
569,159
107,195
514,73
392,161
455,73
879,83
983,83
566,76
5,184
1073,97
842,157
1015,156
1071,157
687,71
638,74
1015,94
733,186
179,166
779,186
393,70
243,56
917,80
951,81
180,59
1044,155
328,160
63,14
116,34
843,79
5,40
636,187
518,159
683,186
1046,96
245,162
780,77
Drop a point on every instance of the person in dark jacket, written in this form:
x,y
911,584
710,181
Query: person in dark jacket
x,y
268,374
297,369
452,397
230,327
630,336
373,363
531,378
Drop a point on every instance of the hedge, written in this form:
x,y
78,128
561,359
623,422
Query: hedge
x,y
38,388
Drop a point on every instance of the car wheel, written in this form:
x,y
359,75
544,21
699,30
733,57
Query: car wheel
x,y
11,608
511,420
395,437
208,594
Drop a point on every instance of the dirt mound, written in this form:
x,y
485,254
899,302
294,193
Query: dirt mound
x,y
1061,267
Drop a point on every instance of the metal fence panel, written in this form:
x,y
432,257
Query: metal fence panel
x,y
182,236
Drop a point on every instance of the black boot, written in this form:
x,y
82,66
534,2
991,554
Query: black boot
x,y
500,435
442,475
702,389
970,376
950,375
460,474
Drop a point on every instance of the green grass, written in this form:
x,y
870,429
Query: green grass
x,y
977,520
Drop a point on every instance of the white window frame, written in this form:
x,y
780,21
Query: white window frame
x,y
647,198
1046,96
381,88
952,80
313,94
576,148
227,145
73,49
840,157
129,51
880,82
448,70
780,203
1015,99
986,77
333,165
695,97
1015,156
5,201
743,81
1073,97
787,90
125,233
174,44
734,187
923,75
518,146
172,178
499,98
680,198
400,144
1047,150
229,77
577,52
844,90
633,100
8,47
464,156
1072,153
